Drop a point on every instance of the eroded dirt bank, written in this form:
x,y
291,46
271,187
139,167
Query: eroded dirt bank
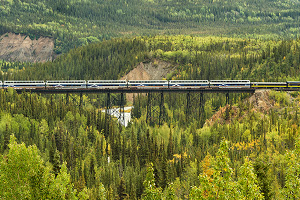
x,y
153,70
16,47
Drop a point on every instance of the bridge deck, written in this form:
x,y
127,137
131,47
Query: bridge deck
x,y
138,90
147,90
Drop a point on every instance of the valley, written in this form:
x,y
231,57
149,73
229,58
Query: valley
x,y
214,144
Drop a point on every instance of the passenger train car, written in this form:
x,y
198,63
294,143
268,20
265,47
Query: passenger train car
x,y
172,84
24,84
148,83
106,83
268,84
189,83
293,84
66,84
230,83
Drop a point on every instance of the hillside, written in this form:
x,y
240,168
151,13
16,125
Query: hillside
x,y
153,70
74,22
204,58
62,146
21,48
72,148
262,101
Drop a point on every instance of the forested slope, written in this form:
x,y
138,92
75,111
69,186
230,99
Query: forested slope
x,y
244,151
194,58
63,147
77,22
76,152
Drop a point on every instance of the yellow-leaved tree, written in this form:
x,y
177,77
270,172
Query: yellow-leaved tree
x,y
24,175
216,180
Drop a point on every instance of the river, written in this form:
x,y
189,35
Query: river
x,y
127,114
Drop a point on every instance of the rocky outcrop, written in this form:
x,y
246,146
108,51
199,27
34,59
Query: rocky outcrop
x,y
154,70
16,47
261,101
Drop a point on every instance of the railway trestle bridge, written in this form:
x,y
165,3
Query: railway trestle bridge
x,y
155,98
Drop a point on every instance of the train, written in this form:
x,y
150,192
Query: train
x,y
113,84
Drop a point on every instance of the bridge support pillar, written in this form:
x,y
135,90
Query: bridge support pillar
x,y
188,106
121,117
161,109
149,108
194,104
155,108
201,105
118,111
227,98
107,115
67,98
108,105
80,101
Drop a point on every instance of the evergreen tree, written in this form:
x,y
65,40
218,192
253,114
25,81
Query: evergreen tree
x,y
247,181
264,180
170,148
292,183
122,189
151,192
221,185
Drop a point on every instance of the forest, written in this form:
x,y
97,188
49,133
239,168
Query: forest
x,y
205,58
73,23
64,147
58,146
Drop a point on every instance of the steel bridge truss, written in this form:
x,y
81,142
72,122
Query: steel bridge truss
x,y
156,112
194,104
115,111
155,108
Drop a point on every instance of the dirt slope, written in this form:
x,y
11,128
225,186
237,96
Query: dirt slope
x,y
15,47
138,73
154,70
260,100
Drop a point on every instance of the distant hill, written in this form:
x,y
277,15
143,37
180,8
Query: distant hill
x,y
79,22
203,58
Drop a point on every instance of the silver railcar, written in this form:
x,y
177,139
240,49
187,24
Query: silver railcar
x,y
66,84
189,83
106,83
24,84
148,83
229,83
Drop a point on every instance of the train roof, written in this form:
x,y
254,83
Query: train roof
x,y
232,81
66,81
147,81
274,83
188,81
107,81
24,81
